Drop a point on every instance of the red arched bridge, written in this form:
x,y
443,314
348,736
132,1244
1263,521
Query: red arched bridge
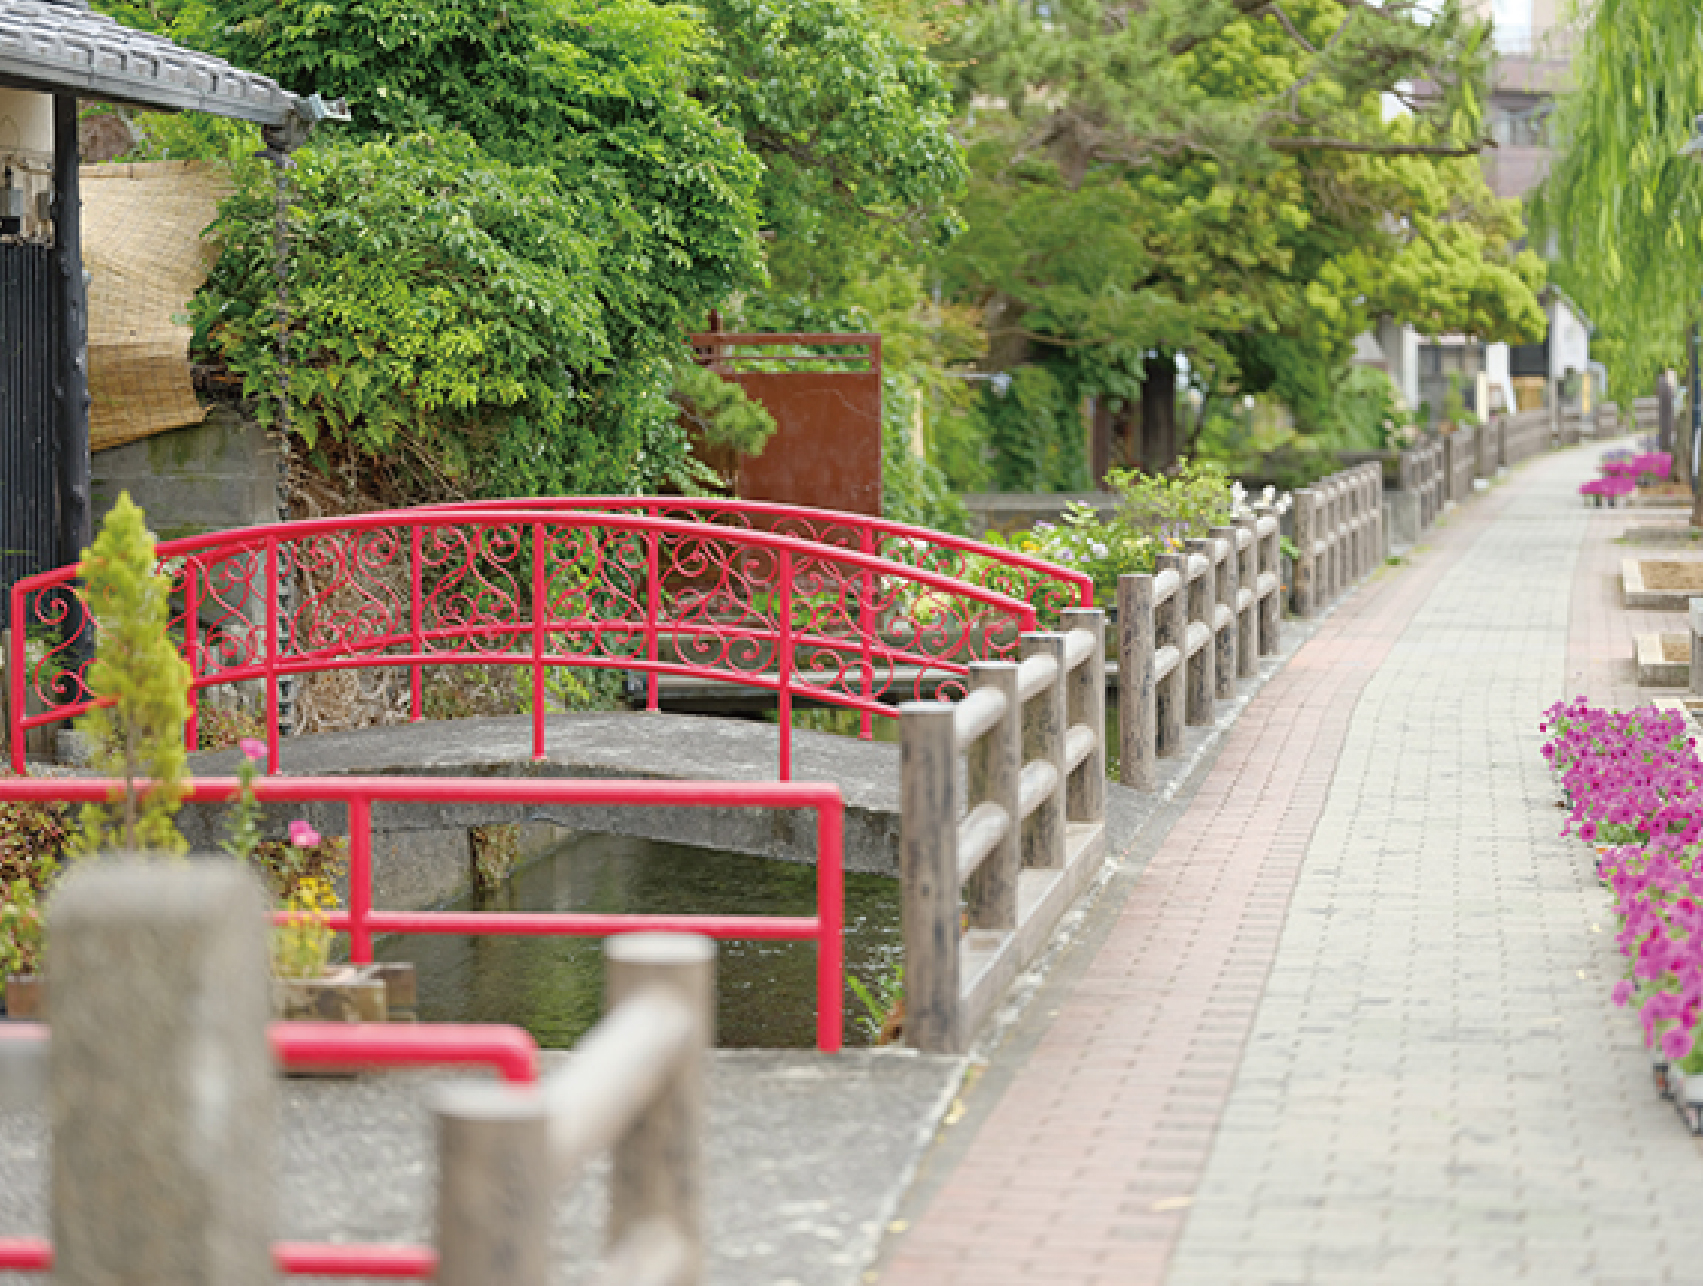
x,y
831,607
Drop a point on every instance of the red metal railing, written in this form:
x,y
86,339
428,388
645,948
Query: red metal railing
x,y
360,921
509,1051
540,589
294,1258
1047,586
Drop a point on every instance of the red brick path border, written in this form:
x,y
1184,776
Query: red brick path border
x,y
1082,1173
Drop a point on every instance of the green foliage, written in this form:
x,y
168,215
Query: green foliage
x,y
243,833
1155,513
914,489
1622,207
33,838
142,685
848,116
23,929
445,315
1036,431
1220,181
496,262
1187,502
883,1002
720,410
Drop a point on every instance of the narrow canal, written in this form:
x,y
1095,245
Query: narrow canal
x,y
553,987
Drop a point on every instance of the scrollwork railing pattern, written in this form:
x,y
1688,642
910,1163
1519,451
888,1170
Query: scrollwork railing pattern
x,y
731,601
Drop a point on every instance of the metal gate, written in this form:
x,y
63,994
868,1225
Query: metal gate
x,y
29,444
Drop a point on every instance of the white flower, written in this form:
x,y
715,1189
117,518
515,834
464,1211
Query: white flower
x,y
1100,551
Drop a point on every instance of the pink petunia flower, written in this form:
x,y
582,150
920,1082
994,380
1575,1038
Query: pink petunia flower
x,y
252,749
1676,1044
1623,992
303,835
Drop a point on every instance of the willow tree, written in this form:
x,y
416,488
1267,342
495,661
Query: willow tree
x,y
1622,208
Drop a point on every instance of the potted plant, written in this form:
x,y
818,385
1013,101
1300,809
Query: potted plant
x,y
21,932
306,986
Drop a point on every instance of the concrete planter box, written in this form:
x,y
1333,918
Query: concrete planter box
x,y
374,993
1687,1095
26,998
1662,584
1664,660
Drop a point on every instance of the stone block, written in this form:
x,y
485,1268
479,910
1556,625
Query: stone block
x,y
1664,660
162,1081
1402,519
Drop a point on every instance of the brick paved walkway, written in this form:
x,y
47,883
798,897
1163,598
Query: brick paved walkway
x,y
1351,1026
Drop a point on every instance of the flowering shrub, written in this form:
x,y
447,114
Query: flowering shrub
x,y
1635,787
1155,514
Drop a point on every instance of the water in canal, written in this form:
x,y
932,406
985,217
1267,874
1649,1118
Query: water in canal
x,y
766,991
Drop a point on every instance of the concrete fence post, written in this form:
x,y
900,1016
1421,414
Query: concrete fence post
x,y
1085,703
657,1175
1138,710
1269,562
928,874
1202,666
1338,537
1043,739
995,774
1696,613
1171,626
1248,578
1380,537
1306,534
1229,639
161,1078
496,1187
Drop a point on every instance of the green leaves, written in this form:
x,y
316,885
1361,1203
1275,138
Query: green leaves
x,y
142,685
494,266
1621,205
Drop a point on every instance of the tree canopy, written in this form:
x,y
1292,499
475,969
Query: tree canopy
x,y
1223,181
496,263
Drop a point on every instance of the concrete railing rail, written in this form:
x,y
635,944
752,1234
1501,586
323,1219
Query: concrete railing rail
x,y
1014,839
1460,463
634,1087
1526,434
1339,535
1419,472
1188,632
164,1175
1647,415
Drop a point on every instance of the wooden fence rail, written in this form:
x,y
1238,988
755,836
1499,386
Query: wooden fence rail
x,y
986,876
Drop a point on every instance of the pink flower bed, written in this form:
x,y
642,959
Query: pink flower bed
x,y
1635,787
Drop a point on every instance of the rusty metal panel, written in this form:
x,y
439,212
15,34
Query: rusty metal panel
x,y
826,451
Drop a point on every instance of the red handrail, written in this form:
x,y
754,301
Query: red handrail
x,y
736,604
510,1050
821,526
295,1258
361,922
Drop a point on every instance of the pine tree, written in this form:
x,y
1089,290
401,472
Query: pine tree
x,y
142,687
